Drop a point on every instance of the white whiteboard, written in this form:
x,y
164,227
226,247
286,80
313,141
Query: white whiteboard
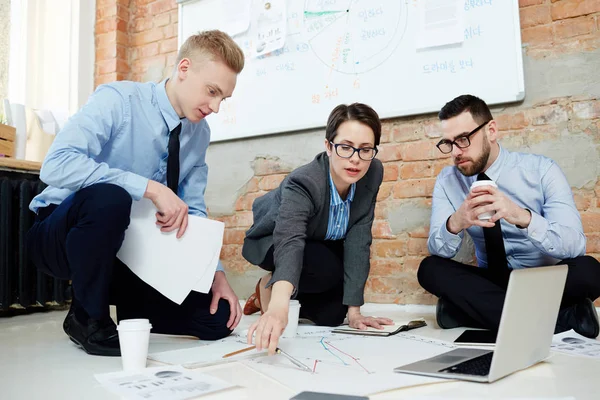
x,y
366,52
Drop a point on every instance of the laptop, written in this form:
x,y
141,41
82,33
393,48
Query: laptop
x,y
525,333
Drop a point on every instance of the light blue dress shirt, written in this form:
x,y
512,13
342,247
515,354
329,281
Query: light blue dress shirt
x,y
339,212
120,136
531,181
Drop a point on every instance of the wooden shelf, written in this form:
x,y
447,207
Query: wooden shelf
x,y
23,165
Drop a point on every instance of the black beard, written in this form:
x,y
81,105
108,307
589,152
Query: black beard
x,y
479,164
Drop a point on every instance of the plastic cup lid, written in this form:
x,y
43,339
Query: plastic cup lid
x,y
132,328
134,321
483,183
134,324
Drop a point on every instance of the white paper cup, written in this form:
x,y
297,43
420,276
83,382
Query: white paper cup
x,y
134,336
487,215
293,316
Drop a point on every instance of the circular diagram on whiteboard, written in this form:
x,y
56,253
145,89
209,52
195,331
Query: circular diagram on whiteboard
x,y
354,36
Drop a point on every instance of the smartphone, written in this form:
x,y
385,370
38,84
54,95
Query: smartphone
x,y
472,337
325,396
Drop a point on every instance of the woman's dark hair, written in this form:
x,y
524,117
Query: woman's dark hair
x,y
353,112
477,107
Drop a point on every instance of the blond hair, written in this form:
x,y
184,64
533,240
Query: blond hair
x,y
215,45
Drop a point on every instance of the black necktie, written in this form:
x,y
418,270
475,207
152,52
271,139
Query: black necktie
x,y
173,159
494,243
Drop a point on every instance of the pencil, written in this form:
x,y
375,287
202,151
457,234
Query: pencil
x,y
239,351
293,360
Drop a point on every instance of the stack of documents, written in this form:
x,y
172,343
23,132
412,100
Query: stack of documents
x,y
172,266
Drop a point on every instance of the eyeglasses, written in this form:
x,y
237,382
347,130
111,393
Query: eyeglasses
x,y
347,151
462,142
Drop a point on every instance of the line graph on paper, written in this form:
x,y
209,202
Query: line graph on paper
x,y
346,364
324,355
345,358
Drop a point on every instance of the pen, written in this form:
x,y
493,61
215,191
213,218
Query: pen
x,y
293,360
239,351
415,324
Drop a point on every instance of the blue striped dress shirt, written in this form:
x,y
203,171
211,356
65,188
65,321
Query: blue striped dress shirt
x,y
531,181
339,212
120,136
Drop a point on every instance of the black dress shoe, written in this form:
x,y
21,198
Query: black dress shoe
x,y
99,338
449,316
580,317
68,317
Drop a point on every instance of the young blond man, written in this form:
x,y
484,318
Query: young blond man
x,y
134,140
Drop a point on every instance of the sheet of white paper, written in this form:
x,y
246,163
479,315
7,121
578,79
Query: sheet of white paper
x,y
572,343
347,364
440,23
424,339
237,16
313,330
269,18
205,282
161,383
172,266
208,354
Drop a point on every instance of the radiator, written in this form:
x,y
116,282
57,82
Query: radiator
x,y
22,288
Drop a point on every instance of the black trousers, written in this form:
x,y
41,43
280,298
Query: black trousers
x,y
79,240
321,287
480,295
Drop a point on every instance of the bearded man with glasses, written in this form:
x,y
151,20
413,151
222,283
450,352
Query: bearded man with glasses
x,y
524,218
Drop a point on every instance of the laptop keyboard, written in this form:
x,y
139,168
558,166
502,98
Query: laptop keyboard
x,y
476,366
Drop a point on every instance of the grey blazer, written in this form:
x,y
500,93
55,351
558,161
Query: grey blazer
x,y
298,210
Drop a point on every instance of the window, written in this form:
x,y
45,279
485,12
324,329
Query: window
x,y
51,61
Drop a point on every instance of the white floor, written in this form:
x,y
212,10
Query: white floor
x,y
39,362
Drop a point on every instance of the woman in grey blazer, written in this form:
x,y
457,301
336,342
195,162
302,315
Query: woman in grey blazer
x,y
313,233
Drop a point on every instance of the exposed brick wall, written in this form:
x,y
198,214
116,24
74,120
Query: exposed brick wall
x,y
137,40
112,41
559,25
